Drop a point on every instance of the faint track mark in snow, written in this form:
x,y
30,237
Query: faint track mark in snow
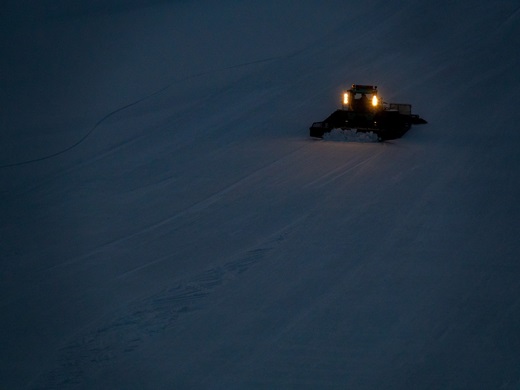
x,y
87,134
511,18
97,350
138,101
194,208
340,171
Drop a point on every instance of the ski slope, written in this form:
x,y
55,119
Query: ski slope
x,y
167,223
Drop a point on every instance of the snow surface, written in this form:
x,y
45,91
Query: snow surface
x,y
167,223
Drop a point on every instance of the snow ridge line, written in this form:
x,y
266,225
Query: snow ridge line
x,y
89,354
194,208
123,108
340,171
87,135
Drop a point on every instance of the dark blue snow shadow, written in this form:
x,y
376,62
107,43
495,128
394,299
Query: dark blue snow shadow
x,y
90,353
22,12
89,133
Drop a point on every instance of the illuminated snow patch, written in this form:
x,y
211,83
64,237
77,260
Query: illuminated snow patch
x,y
350,136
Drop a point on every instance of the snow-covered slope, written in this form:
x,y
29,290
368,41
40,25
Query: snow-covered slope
x,y
167,223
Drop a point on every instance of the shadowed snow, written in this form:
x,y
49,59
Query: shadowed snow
x,y
166,222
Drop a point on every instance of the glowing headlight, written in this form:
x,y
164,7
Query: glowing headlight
x,y
375,101
345,98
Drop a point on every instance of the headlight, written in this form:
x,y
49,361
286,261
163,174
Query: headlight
x,y
375,101
345,98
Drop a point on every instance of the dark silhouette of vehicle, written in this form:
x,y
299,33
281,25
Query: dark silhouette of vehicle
x,y
364,111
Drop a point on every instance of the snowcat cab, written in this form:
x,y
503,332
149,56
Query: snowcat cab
x,y
364,111
362,98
